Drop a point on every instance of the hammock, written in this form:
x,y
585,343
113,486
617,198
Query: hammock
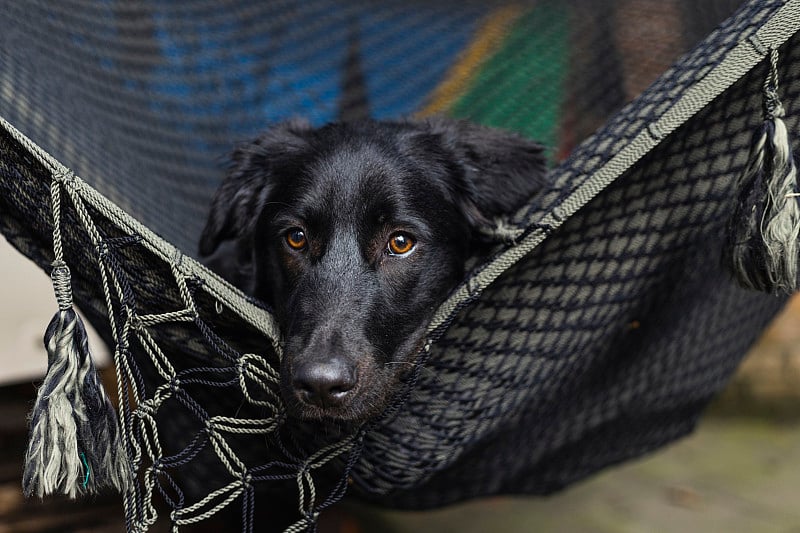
x,y
598,333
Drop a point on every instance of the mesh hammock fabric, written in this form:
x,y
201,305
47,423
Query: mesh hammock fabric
x,y
597,334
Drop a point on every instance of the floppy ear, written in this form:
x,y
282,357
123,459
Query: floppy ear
x,y
501,170
240,199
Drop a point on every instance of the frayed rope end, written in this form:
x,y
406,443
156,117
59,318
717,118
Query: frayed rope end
x,y
762,241
75,445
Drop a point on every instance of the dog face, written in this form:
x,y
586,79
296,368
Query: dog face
x,y
354,233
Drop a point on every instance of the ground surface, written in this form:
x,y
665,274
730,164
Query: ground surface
x,y
732,475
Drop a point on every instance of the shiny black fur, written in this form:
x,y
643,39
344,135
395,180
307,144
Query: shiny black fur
x,y
351,310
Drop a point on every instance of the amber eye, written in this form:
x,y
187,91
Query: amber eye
x,y
296,239
400,244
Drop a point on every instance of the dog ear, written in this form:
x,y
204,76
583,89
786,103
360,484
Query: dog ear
x,y
501,170
240,199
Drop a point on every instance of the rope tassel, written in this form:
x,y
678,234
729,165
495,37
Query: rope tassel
x,y
762,247
75,444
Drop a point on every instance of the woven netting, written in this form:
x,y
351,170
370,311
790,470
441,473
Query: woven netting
x,y
597,335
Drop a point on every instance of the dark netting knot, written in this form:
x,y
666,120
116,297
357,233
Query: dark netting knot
x,y
134,320
193,282
241,364
102,249
145,409
303,469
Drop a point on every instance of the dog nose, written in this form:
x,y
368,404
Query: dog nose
x,y
324,384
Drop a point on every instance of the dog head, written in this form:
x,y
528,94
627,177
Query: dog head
x,y
356,232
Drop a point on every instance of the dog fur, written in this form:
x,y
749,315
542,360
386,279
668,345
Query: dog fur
x,y
353,311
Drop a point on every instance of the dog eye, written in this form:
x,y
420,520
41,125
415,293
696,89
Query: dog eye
x,y
400,244
296,239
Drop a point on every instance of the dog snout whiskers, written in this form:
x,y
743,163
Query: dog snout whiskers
x,y
324,384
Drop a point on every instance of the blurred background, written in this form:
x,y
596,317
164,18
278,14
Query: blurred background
x,y
739,472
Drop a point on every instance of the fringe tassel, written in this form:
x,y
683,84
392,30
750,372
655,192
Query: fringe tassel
x,y
75,444
762,247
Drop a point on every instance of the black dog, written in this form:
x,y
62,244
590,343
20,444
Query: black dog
x,y
354,233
